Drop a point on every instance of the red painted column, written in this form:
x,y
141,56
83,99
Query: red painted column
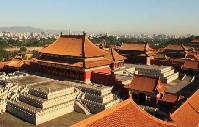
x,y
87,76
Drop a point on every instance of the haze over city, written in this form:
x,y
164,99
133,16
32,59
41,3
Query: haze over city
x,y
114,16
99,63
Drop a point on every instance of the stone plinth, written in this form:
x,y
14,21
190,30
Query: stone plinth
x,y
43,102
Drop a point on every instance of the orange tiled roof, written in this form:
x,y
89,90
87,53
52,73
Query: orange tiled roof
x,y
192,53
177,60
187,115
138,46
124,114
195,40
170,98
143,83
97,63
174,47
160,56
189,64
72,45
27,62
189,48
16,63
114,56
2,64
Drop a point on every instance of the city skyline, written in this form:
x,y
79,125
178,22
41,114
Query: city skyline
x,y
114,16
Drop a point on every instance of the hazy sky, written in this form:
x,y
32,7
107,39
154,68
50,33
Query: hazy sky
x,y
116,16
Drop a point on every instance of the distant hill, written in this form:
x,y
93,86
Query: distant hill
x,y
33,29
25,29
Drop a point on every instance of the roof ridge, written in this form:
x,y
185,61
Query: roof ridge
x,y
72,45
136,42
150,116
71,36
112,54
192,107
116,107
102,114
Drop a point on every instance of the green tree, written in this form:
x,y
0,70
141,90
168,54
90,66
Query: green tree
x,y
23,49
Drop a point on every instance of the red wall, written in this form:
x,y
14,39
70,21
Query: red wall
x,y
103,70
87,75
108,80
103,78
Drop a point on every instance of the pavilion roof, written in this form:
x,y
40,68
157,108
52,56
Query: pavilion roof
x,y
160,56
189,48
169,98
137,46
195,40
16,63
124,114
2,64
190,64
114,56
73,45
175,47
143,83
187,115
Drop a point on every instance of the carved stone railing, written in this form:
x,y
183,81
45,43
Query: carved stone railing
x,y
100,99
96,91
2,106
54,108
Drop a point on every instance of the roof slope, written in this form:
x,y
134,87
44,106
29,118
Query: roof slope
x,y
2,64
188,48
160,56
138,46
143,83
174,47
189,64
169,98
124,114
114,56
195,40
187,115
72,45
16,63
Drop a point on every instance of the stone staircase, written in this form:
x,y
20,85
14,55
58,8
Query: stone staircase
x,y
169,76
80,107
97,100
38,106
166,73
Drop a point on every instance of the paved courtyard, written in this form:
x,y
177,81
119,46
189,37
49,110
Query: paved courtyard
x,y
8,120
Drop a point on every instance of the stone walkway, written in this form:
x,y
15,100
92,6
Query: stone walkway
x,y
8,120
177,85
